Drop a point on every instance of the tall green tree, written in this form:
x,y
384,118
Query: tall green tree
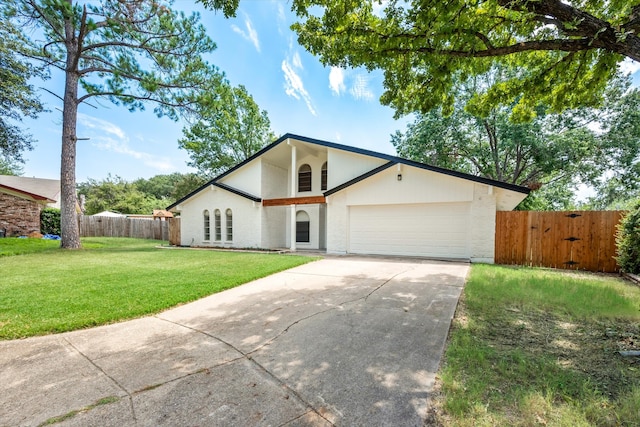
x,y
127,51
229,128
186,184
551,154
116,194
10,166
564,51
158,186
17,97
619,183
169,187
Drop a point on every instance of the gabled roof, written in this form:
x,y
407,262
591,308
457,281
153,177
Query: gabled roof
x,y
391,159
359,178
35,188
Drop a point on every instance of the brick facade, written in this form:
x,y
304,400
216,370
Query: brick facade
x,y
18,216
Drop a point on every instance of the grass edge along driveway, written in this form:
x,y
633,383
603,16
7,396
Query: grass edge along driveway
x,y
47,290
539,347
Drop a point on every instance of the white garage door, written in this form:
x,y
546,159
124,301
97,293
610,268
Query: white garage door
x,y
431,230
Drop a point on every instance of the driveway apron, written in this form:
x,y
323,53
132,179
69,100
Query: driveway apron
x,y
343,341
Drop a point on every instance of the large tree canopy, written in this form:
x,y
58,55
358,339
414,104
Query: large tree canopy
x,y
551,154
229,128
564,51
128,51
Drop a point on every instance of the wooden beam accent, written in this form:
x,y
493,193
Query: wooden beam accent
x,y
294,201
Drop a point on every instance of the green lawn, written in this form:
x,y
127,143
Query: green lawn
x,y
48,290
533,347
11,246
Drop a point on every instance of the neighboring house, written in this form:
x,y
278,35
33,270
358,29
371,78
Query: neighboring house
x,y
303,193
21,201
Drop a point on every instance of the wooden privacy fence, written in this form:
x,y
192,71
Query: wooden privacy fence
x,y
174,231
579,240
105,226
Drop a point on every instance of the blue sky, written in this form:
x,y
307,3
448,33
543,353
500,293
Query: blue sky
x,y
256,49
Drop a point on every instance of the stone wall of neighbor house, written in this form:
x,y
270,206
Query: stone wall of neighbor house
x,y
18,216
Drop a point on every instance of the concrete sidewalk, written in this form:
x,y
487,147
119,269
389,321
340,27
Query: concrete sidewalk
x,y
340,341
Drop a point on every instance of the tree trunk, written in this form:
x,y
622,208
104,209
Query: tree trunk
x,y
68,216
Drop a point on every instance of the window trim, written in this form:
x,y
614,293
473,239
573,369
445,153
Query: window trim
x,y
306,223
217,225
228,225
323,177
206,225
305,177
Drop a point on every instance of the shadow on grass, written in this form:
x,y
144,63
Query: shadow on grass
x,y
524,366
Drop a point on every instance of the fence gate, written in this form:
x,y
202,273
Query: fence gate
x,y
581,240
174,231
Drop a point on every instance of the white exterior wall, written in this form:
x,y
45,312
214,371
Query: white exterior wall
x,y
416,186
246,219
337,223
274,227
275,182
483,227
248,178
343,166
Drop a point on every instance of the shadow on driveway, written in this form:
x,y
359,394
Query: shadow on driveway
x,y
340,341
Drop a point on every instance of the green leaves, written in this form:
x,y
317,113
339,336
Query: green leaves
x,y
563,53
628,241
228,127
17,96
551,153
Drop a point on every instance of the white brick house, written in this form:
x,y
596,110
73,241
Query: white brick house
x,y
303,193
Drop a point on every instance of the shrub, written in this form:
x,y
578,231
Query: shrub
x,y
628,241
50,221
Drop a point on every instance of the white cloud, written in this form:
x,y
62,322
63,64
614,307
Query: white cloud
x,y
293,84
250,34
108,136
281,15
629,66
100,125
360,89
297,62
336,80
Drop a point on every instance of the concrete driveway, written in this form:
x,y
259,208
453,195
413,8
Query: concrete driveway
x,y
341,341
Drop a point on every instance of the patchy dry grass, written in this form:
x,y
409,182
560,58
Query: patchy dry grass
x,y
533,347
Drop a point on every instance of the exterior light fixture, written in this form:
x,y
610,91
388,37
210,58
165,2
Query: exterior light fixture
x,y
399,177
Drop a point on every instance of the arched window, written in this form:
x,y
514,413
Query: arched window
x,y
304,178
218,225
207,228
302,227
323,177
229,224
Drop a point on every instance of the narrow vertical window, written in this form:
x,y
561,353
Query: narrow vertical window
x,y
218,224
207,228
323,177
302,227
304,178
229,225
